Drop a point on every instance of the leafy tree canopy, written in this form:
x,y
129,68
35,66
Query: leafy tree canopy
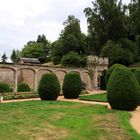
x,y
117,54
134,12
106,21
37,49
71,39
32,50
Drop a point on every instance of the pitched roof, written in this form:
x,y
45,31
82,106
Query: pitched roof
x,y
29,60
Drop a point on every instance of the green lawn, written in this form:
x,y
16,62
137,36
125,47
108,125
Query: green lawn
x,y
40,120
96,97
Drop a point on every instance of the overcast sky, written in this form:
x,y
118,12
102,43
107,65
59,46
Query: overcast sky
x,y
24,20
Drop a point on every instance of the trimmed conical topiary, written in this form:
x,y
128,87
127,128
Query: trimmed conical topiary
x,y
110,70
72,85
49,87
123,90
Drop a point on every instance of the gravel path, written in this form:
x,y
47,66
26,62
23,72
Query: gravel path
x,y
61,98
135,120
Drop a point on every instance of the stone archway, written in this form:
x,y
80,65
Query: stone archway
x,y
86,79
7,75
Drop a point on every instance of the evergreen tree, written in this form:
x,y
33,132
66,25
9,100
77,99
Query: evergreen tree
x,y
71,39
45,43
4,58
106,21
15,56
134,16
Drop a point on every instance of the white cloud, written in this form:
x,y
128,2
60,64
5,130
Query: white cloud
x,y
24,20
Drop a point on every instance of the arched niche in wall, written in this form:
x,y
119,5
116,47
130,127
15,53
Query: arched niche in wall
x,y
26,75
86,79
7,75
40,72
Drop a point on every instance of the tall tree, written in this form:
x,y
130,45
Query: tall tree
x,y
37,49
138,47
71,36
15,56
45,43
71,26
71,39
32,50
134,12
4,58
71,44
42,39
57,51
106,21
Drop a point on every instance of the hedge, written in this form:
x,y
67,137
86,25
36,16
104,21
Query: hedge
x,y
49,87
123,89
72,85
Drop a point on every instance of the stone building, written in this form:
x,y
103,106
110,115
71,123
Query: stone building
x,y
23,60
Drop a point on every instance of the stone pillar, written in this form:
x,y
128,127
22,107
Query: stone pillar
x,y
35,81
15,81
93,72
95,84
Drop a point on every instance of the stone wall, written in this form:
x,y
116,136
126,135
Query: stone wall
x,y
86,80
31,74
28,77
40,73
7,75
60,75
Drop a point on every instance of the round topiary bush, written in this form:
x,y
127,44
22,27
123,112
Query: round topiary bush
x,y
123,90
72,85
110,70
49,87
137,75
23,87
4,87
